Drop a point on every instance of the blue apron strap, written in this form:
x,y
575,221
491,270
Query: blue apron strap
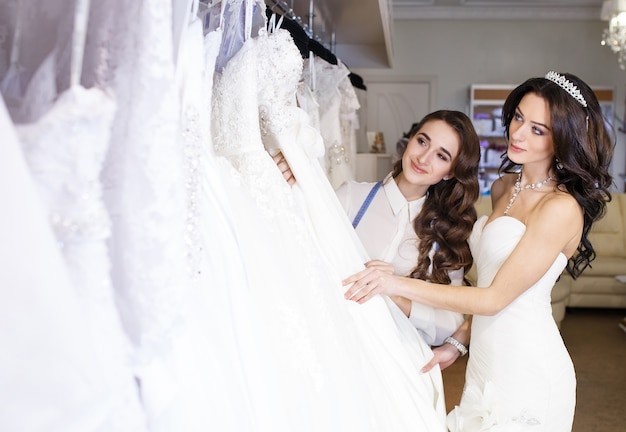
x,y
366,204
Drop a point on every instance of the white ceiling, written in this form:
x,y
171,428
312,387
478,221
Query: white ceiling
x,y
498,9
363,28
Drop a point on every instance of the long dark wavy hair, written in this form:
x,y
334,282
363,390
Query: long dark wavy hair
x,y
448,214
583,149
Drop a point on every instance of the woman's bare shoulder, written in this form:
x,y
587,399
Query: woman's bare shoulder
x,y
559,204
501,185
558,212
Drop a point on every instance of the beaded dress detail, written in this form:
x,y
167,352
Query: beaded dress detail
x,y
216,337
337,103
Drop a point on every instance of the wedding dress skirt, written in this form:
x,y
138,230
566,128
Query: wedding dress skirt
x,y
343,366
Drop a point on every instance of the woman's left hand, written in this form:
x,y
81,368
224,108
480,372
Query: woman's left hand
x,y
381,265
443,356
367,283
284,168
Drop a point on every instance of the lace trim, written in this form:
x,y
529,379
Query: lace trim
x,y
192,152
143,178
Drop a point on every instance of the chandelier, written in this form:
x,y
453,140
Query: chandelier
x,y
614,11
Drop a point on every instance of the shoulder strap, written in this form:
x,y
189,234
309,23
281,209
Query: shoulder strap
x,y
366,204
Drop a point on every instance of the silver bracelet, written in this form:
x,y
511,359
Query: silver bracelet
x,y
458,345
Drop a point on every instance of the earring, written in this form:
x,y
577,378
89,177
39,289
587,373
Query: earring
x,y
559,165
446,178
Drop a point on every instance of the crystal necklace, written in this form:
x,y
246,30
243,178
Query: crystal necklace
x,y
519,188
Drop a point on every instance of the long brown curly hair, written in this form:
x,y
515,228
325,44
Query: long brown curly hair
x,y
448,214
583,150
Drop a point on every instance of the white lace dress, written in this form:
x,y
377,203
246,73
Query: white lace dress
x,y
65,150
327,80
215,357
144,191
519,375
344,366
52,374
349,121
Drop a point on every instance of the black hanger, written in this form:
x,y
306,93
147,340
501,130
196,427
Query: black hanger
x,y
357,81
321,51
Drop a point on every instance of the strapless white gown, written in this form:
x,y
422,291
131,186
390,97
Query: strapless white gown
x,y
519,375
65,150
52,372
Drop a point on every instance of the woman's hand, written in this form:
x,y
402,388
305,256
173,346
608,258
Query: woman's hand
x,y
444,356
381,265
369,282
403,303
284,168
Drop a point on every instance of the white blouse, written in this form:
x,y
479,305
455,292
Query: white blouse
x,y
386,231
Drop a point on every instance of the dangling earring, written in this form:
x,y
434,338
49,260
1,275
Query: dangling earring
x,y
559,165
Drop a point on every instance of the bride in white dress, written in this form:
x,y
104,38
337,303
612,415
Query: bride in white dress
x,y
519,374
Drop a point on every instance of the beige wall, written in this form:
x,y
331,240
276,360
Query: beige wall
x,y
459,53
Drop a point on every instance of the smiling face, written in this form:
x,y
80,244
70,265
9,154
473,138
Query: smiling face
x,y
530,133
428,158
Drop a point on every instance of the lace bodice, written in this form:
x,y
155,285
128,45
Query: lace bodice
x,y
280,70
235,105
65,151
143,181
67,168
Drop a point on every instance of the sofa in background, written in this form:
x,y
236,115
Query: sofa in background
x,y
597,287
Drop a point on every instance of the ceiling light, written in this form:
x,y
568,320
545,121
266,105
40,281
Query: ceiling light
x,y
614,11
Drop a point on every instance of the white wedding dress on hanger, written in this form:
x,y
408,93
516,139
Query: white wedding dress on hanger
x,y
316,376
379,323
233,308
328,81
52,375
65,150
345,366
144,191
215,360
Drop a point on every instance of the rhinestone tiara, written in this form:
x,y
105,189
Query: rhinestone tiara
x,y
567,85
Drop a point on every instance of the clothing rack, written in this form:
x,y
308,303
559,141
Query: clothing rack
x,y
288,12
304,38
